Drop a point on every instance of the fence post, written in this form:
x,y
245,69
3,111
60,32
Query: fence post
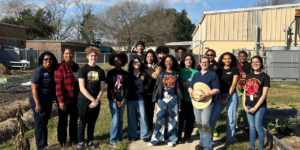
x,y
75,57
104,59
26,55
37,57
299,70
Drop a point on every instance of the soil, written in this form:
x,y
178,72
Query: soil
x,y
291,141
8,98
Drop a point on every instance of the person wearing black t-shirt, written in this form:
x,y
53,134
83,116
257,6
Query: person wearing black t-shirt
x,y
254,100
91,79
213,65
140,47
117,89
228,74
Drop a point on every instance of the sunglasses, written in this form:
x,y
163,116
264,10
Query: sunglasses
x,y
209,55
50,59
136,62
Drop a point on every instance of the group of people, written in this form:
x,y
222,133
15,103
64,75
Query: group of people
x,y
155,83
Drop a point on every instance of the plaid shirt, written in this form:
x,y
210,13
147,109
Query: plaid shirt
x,y
64,80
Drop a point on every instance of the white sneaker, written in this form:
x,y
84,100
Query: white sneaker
x,y
171,144
150,144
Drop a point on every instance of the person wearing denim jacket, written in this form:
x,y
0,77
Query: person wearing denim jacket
x,y
254,100
228,75
117,90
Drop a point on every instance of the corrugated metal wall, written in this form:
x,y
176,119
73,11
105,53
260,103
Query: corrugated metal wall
x,y
283,65
241,26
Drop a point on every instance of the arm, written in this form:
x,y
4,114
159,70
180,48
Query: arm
x,y
83,90
126,88
244,102
186,84
232,88
97,101
153,74
36,99
110,84
261,100
59,83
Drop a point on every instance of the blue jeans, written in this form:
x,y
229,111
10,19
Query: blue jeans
x,y
134,108
166,115
231,108
256,124
116,128
203,117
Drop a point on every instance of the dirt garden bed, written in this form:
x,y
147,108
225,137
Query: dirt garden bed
x,y
9,111
283,127
8,128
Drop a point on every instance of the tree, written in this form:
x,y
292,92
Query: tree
x,y
37,25
12,8
183,27
87,27
63,25
130,21
275,2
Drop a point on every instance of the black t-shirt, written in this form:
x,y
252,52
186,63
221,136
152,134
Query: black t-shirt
x,y
92,77
226,77
254,88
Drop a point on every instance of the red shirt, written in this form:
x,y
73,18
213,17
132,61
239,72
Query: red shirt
x,y
242,77
66,90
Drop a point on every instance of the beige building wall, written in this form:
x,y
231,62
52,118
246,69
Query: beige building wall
x,y
231,30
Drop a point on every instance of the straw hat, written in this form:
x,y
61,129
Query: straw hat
x,y
200,88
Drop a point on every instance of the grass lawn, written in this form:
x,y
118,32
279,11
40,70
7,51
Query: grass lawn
x,y
276,93
101,131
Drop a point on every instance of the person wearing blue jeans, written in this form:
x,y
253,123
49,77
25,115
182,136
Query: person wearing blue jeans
x,y
254,101
203,116
117,89
228,75
138,81
168,97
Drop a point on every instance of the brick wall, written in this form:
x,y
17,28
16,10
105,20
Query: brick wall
x,y
12,32
50,46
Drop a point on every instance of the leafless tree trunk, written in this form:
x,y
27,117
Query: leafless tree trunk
x,y
275,2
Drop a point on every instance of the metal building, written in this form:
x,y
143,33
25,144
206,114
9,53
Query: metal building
x,y
249,28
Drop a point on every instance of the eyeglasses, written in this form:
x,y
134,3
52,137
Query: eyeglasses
x,y
204,62
255,62
136,62
210,55
50,59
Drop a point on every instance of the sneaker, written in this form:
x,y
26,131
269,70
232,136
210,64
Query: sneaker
x,y
215,133
147,139
91,145
113,145
189,140
150,144
80,145
171,144
198,147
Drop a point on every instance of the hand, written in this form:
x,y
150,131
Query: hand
x,y
179,110
191,95
62,106
252,110
122,103
155,107
153,67
240,88
38,108
246,109
223,101
118,104
203,96
94,104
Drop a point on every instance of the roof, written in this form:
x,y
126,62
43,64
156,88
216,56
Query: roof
x,y
184,44
243,10
12,25
59,41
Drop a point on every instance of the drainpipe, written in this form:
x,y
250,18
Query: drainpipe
x,y
256,41
287,32
296,31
